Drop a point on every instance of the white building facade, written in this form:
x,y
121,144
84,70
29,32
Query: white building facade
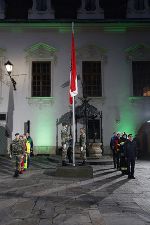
x,y
113,61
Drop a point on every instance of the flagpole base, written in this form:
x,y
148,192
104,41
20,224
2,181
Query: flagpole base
x,y
85,171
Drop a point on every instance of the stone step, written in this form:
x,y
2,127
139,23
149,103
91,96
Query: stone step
x,y
90,161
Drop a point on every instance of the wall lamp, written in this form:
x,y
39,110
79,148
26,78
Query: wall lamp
x,y
9,67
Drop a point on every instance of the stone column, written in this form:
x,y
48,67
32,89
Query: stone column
x,y
2,9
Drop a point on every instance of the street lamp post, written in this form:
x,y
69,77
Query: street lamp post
x,y
9,67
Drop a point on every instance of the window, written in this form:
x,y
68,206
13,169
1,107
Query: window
x,y
141,78
91,72
17,9
41,79
41,5
94,129
139,4
2,116
90,5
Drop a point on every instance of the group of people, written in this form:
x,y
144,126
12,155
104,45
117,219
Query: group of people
x,y
21,149
124,150
67,145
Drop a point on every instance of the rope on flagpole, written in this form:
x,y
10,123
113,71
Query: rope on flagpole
x,y
73,127
73,27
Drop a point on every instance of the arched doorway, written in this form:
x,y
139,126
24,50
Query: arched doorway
x,y
143,139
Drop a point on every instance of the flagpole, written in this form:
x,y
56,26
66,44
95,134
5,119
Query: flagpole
x,y
73,90
73,126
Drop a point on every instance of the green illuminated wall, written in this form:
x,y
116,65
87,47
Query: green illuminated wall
x,y
44,133
127,121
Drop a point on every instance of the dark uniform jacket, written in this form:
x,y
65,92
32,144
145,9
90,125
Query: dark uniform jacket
x,y
130,149
17,147
82,140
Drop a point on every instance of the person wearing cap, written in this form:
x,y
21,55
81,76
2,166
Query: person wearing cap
x,y
64,142
130,152
17,151
83,145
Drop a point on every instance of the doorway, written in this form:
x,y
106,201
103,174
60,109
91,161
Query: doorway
x,y
143,141
3,140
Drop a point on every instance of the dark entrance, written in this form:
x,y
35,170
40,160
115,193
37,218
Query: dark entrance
x,y
3,140
143,141
87,115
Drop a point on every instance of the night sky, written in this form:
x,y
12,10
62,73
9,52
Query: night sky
x,y
65,9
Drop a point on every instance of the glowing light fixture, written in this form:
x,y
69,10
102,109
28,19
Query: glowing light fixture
x,y
9,67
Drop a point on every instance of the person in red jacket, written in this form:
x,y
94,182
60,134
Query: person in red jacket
x,y
117,150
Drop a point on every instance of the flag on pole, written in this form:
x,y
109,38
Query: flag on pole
x,y
73,73
73,88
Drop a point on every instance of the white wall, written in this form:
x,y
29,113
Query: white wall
x,y
117,81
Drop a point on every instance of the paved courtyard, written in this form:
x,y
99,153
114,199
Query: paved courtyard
x,y
38,197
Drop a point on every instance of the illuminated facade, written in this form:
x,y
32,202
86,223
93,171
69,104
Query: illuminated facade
x,y
40,52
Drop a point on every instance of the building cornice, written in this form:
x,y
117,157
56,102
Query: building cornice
x,y
65,25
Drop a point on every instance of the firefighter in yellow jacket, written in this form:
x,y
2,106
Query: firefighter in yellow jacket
x,y
27,153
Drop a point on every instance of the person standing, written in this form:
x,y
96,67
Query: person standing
x,y
83,145
117,142
123,160
70,149
17,150
22,161
31,143
112,147
27,151
64,142
130,152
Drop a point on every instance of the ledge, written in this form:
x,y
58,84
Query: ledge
x,y
40,100
139,99
101,99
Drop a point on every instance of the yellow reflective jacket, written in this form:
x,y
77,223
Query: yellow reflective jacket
x,y
28,147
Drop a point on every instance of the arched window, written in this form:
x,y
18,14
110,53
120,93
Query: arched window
x,y
41,5
90,5
139,4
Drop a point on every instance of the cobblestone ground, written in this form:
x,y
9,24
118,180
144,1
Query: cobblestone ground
x,y
37,197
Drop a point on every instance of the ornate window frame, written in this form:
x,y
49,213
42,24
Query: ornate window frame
x,y
92,53
139,52
40,52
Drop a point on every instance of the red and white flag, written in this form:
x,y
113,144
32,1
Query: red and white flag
x,y
73,73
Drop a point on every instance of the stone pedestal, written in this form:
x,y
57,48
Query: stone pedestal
x,y
95,150
77,152
74,171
